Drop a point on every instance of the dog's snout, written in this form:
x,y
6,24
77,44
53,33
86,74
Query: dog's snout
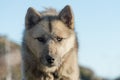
x,y
50,59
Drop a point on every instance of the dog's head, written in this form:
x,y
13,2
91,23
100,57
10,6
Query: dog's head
x,y
50,37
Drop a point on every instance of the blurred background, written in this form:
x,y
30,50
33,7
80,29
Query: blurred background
x,y
97,24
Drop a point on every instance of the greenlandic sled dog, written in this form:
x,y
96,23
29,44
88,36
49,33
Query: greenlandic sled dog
x,y
50,46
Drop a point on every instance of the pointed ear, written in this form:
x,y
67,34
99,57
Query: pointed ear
x,y
32,17
67,17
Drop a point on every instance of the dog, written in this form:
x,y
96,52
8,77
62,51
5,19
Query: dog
x,y
50,45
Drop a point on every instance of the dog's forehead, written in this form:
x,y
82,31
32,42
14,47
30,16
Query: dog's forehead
x,y
56,27
51,26
59,28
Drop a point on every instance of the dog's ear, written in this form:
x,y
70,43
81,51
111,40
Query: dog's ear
x,y
32,17
66,16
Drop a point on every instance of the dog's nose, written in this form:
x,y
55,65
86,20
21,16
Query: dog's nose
x,y
50,59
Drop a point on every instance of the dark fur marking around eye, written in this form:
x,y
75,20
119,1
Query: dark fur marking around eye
x,y
41,39
59,39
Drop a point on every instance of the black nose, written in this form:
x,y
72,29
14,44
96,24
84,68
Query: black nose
x,y
50,59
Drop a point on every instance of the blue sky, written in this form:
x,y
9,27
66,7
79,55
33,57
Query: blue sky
x,y
97,24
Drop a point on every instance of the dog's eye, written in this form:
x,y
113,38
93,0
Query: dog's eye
x,y
59,39
41,39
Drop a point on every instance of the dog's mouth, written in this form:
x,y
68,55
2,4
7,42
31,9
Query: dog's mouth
x,y
51,65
